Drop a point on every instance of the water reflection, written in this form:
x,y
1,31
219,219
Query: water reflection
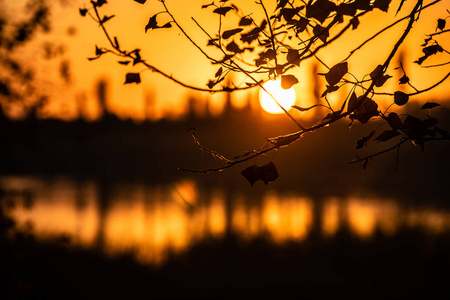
x,y
152,221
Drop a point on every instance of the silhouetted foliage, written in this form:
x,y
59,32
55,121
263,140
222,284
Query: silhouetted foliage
x,y
20,83
274,46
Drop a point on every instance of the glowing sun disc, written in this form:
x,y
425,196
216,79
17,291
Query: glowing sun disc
x,y
285,97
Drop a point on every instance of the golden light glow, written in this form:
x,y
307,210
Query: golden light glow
x,y
151,221
185,192
286,98
330,217
289,219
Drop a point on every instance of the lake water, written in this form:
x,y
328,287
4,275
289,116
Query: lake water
x,y
153,221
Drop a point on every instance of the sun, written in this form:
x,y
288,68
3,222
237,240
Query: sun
x,y
285,97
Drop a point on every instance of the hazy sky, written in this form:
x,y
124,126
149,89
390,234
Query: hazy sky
x,y
168,50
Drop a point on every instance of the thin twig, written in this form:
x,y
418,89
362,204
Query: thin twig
x,y
362,159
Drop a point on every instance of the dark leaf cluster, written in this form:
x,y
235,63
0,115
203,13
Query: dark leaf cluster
x,y
362,108
378,76
266,173
253,34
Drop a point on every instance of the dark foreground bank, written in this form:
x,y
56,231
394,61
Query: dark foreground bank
x,y
408,265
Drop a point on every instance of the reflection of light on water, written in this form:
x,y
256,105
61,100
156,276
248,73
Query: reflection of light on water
x,y
365,216
217,221
433,221
152,221
245,220
288,218
185,192
330,217
74,214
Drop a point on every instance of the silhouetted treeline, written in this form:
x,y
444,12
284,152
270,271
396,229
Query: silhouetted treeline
x,y
154,151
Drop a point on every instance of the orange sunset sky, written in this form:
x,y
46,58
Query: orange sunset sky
x,y
168,50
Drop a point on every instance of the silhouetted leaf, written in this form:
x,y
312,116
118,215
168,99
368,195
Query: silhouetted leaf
x,y
430,105
420,60
352,102
386,135
233,47
254,33
336,73
394,121
132,78
287,81
363,5
400,98
366,110
301,24
281,3
83,11
375,74
321,32
245,21
223,10
362,142
320,10
99,51
266,173
329,89
293,57
404,79
106,18
99,3
268,54
347,9
428,51
260,61
211,84
433,49
382,4
219,72
289,13
208,5
229,33
378,77
400,6
140,1
137,56
152,24
414,127
354,22
441,24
